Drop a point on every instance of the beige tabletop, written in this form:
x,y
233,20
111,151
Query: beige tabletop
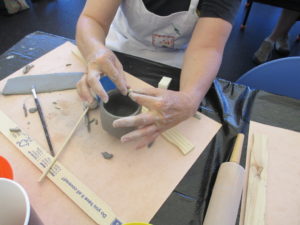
x,y
135,183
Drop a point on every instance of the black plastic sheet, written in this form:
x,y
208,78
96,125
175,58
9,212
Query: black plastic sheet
x,y
231,104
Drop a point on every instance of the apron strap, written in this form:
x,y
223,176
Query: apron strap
x,y
193,5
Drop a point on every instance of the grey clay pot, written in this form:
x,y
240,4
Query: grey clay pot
x,y
117,107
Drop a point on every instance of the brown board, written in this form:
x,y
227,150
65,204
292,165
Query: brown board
x,y
283,174
134,183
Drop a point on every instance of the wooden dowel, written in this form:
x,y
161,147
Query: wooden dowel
x,y
63,146
237,149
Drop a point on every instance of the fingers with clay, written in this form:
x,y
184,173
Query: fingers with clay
x,y
166,109
103,62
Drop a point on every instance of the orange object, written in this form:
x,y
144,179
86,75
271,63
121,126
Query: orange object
x,y
5,169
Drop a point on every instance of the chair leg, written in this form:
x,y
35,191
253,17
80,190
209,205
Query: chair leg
x,y
298,38
248,8
248,3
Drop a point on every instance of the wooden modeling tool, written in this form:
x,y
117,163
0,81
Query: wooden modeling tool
x,y
63,146
226,195
87,120
39,109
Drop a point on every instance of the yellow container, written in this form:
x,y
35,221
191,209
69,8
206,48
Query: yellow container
x,y
137,224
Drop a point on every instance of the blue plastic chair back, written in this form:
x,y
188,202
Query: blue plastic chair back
x,y
280,76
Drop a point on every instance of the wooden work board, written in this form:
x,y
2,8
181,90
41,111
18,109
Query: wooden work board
x,y
282,192
134,183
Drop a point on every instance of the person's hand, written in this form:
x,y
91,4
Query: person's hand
x,y
103,62
166,109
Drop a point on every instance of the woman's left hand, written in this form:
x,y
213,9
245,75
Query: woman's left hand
x,y
166,109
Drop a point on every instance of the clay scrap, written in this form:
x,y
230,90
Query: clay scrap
x,y
27,68
43,83
15,129
32,110
24,110
107,155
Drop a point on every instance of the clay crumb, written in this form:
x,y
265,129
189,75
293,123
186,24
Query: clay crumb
x,y
54,103
96,122
32,110
57,107
69,64
28,123
25,110
91,121
27,68
150,144
107,155
197,115
15,129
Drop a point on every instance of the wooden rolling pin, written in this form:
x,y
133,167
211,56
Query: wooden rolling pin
x,y
226,195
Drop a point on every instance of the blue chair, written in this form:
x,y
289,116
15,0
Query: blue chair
x,y
280,76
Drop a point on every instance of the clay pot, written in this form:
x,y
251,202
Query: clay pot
x,y
117,107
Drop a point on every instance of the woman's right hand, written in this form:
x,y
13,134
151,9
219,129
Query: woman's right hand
x,y
104,61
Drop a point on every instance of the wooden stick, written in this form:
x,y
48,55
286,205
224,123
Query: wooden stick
x,y
237,149
63,146
256,191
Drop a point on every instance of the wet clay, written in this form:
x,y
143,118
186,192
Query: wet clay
x,y
16,129
24,110
107,155
118,106
27,68
42,83
32,110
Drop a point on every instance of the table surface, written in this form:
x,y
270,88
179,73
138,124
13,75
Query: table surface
x,y
231,104
134,183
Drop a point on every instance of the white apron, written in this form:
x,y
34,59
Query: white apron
x,y
139,32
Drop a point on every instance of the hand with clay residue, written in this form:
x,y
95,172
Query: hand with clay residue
x,y
166,109
103,62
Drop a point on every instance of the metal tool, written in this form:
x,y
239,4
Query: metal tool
x,y
39,109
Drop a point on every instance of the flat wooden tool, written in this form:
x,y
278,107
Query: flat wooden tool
x,y
257,182
282,168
